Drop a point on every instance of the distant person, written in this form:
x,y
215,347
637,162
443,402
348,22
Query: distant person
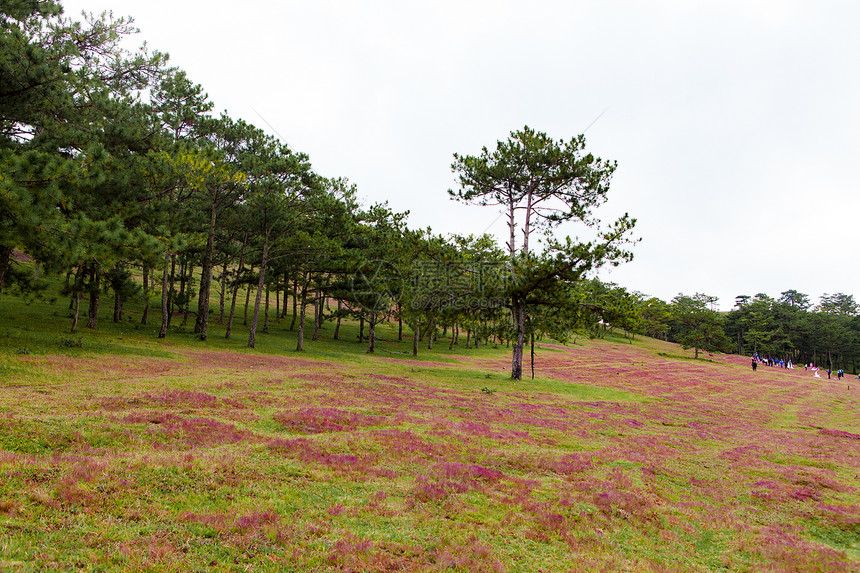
x,y
828,373
754,364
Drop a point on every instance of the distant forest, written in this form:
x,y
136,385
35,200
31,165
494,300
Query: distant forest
x,y
119,183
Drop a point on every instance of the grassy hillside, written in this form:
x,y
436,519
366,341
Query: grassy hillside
x,y
122,452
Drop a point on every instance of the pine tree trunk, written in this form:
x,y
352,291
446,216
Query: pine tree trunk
x,y
371,335
76,286
361,329
117,306
201,326
165,296
261,283
431,331
399,324
117,294
317,314
236,286
295,304
186,270
518,310
171,298
247,302
300,335
532,359
77,305
337,324
415,337
95,297
266,313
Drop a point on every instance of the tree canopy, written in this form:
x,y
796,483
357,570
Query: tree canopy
x,y
540,183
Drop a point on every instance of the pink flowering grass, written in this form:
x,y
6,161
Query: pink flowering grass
x,y
615,458
316,420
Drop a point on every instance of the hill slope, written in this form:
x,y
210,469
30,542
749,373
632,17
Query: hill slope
x,y
127,453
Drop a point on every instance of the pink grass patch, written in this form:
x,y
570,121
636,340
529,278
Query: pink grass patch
x,y
840,434
319,420
217,521
452,478
191,431
309,452
474,556
572,464
182,399
248,362
255,521
114,368
335,509
324,379
407,446
486,431
353,553
252,523
418,363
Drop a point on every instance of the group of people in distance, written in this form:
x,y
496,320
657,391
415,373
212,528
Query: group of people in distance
x,y
839,373
756,360
779,362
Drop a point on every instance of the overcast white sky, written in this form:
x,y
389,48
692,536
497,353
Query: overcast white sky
x,y
735,123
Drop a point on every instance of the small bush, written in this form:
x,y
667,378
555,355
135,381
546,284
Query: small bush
x,y
23,350
72,342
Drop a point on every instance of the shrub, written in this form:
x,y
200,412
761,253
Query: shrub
x,y
72,342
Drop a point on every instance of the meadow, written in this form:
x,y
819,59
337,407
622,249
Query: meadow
x,y
120,452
